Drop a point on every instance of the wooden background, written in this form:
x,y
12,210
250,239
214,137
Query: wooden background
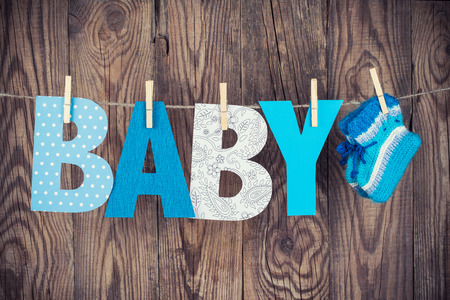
x,y
265,50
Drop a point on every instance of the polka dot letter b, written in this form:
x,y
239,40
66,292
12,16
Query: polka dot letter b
x,y
50,151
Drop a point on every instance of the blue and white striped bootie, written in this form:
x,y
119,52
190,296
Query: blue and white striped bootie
x,y
380,148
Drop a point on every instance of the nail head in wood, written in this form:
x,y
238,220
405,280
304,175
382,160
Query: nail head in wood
x,y
149,103
314,102
379,90
223,105
67,99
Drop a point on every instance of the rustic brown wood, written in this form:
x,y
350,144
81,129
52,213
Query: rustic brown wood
x,y
376,238
36,248
264,50
111,57
198,47
431,59
285,257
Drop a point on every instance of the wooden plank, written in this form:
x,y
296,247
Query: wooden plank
x,y
285,257
264,51
174,43
36,247
198,46
371,244
111,57
430,36
178,248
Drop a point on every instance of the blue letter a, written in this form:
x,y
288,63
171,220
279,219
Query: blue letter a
x,y
168,181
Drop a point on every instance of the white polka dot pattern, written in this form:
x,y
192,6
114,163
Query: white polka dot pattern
x,y
50,151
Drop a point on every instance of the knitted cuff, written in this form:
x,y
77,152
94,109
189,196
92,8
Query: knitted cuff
x,y
370,119
344,123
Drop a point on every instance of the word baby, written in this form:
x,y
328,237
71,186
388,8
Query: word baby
x,y
300,152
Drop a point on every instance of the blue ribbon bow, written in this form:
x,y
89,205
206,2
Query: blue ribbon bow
x,y
347,148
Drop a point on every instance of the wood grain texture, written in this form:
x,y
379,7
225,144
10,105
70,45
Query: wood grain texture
x,y
36,248
371,256
178,248
431,58
264,50
285,257
111,57
198,46
217,59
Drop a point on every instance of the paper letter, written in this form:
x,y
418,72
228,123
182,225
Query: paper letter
x,y
209,159
168,181
300,151
50,151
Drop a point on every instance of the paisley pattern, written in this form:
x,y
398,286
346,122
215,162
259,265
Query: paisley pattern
x,y
209,159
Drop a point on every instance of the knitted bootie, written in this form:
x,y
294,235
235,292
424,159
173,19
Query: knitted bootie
x,y
383,146
346,150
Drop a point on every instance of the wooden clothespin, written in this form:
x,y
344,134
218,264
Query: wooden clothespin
x,y
67,99
223,105
379,90
314,102
149,102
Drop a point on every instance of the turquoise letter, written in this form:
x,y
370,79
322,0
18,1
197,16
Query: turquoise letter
x,y
300,151
51,151
168,181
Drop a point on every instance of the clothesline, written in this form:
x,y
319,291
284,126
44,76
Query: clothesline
x,y
169,106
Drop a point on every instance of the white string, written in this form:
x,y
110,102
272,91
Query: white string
x,y
169,106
